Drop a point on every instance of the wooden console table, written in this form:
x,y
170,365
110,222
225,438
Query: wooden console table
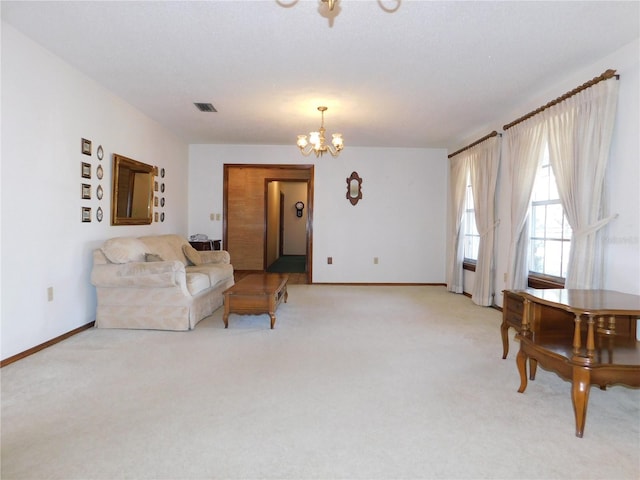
x,y
586,347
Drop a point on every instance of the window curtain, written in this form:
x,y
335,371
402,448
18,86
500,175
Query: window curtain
x,y
580,130
525,141
455,238
484,160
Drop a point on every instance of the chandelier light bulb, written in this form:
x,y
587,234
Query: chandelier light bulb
x,y
302,141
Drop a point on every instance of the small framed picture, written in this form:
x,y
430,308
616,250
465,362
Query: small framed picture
x,y
155,216
162,202
162,188
162,172
86,214
162,217
99,192
86,170
155,201
99,214
86,146
100,152
86,191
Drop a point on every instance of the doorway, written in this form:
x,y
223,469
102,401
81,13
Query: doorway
x,y
248,211
286,226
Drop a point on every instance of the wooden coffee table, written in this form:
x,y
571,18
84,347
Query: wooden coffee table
x,y
255,294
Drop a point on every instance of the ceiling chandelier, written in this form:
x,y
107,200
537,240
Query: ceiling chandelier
x,y
316,141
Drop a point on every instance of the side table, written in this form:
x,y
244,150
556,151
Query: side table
x,y
206,245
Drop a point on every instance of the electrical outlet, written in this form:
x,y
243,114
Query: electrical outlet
x,y
50,294
329,260
212,216
375,260
504,279
218,217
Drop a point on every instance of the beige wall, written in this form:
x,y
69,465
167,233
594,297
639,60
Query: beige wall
x,y
295,228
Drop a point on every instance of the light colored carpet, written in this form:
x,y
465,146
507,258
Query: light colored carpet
x,y
353,383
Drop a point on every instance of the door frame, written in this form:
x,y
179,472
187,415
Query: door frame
x,y
275,172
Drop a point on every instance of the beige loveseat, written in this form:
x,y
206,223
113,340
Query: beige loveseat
x,y
157,282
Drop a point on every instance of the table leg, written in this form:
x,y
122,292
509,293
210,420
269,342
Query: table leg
x,y
521,362
580,386
225,315
533,368
504,331
273,319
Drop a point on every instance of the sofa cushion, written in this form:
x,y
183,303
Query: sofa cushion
x,y
197,282
217,272
152,257
124,250
192,255
168,246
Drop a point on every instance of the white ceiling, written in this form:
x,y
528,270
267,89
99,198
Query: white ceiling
x,y
425,75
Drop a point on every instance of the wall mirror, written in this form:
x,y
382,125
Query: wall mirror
x,y
132,198
354,188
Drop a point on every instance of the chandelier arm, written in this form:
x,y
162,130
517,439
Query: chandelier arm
x,y
332,150
306,151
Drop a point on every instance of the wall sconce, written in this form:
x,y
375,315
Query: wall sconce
x,y
299,208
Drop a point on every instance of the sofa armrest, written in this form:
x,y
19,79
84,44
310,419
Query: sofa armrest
x,y
139,274
215,256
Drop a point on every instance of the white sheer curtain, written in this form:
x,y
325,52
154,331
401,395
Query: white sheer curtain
x,y
484,160
580,130
455,238
525,141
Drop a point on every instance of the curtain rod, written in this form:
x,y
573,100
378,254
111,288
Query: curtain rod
x,y
492,134
605,76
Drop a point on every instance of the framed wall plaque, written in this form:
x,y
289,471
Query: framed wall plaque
x,y
86,170
86,191
86,146
86,214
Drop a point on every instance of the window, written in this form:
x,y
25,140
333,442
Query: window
x,y
471,235
550,234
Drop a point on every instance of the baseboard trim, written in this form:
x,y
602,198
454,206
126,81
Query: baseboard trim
x,y
42,346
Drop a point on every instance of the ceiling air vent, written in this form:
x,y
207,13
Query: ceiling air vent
x,y
205,107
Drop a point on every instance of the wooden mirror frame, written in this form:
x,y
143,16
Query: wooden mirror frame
x,y
354,188
125,198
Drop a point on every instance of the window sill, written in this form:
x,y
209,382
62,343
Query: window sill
x,y
535,280
543,282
